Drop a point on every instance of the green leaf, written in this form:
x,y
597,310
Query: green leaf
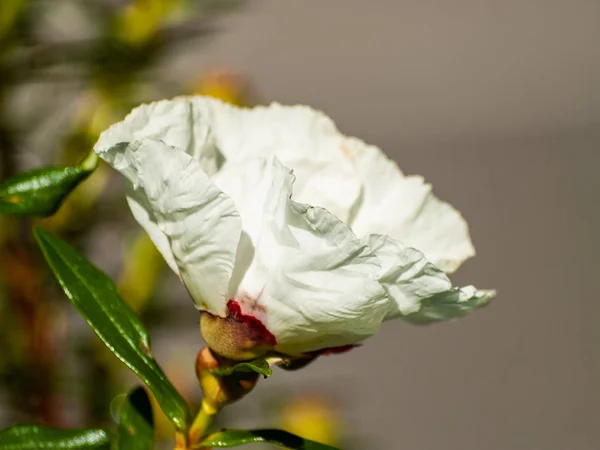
x,y
34,437
40,192
96,298
258,365
233,438
136,422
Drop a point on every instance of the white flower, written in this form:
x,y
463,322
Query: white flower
x,y
276,221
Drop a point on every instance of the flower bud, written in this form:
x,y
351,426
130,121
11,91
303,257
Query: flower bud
x,y
220,391
237,336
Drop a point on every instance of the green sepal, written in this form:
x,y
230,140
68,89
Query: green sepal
x,y
259,366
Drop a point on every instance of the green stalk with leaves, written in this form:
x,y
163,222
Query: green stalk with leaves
x,y
95,296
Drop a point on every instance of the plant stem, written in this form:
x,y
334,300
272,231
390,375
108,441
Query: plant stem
x,y
180,440
202,422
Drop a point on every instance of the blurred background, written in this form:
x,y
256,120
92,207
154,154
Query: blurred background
x,y
497,104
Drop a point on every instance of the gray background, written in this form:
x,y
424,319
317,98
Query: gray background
x,y
497,104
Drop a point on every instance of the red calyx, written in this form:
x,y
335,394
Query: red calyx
x,y
251,322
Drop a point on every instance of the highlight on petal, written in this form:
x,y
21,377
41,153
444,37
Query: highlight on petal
x,y
193,224
404,208
420,292
310,280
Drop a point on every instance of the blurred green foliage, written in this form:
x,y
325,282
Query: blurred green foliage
x,y
68,69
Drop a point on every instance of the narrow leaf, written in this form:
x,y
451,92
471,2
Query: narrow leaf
x,y
233,438
136,422
96,298
34,437
258,365
40,192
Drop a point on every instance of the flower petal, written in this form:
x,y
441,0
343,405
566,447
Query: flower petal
x,y
183,123
193,224
310,281
457,302
303,139
210,131
404,208
421,292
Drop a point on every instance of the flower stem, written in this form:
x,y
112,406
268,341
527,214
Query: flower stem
x,y
180,440
202,422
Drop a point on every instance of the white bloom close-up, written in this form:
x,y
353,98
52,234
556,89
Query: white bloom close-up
x,y
277,222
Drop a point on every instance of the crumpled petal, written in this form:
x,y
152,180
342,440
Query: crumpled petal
x,y
183,123
193,224
351,179
418,290
404,208
457,302
310,280
303,139
215,133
